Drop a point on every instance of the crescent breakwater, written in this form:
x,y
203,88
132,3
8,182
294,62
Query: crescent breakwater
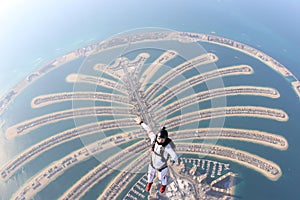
x,y
146,37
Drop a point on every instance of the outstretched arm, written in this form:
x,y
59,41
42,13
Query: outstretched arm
x,y
144,125
151,135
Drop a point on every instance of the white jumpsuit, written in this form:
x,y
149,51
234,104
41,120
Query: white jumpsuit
x,y
157,161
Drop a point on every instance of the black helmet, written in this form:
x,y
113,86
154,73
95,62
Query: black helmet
x,y
163,133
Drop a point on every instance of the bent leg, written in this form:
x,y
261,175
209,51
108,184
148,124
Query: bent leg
x,y
163,176
151,174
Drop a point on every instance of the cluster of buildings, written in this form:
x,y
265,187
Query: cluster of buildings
x,y
57,139
86,182
59,97
188,179
125,178
24,127
206,95
104,82
200,60
269,169
184,85
227,112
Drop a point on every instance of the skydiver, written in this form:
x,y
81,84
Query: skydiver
x,y
162,147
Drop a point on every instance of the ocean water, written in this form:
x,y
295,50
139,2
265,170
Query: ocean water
x,y
254,185
227,18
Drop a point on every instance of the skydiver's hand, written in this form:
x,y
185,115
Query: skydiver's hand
x,y
138,120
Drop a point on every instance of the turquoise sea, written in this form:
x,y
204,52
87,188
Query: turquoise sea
x,y
260,26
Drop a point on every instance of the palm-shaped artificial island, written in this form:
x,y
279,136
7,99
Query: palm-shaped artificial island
x,y
163,94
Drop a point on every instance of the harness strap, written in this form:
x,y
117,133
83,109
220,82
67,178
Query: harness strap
x,y
159,169
163,159
161,154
